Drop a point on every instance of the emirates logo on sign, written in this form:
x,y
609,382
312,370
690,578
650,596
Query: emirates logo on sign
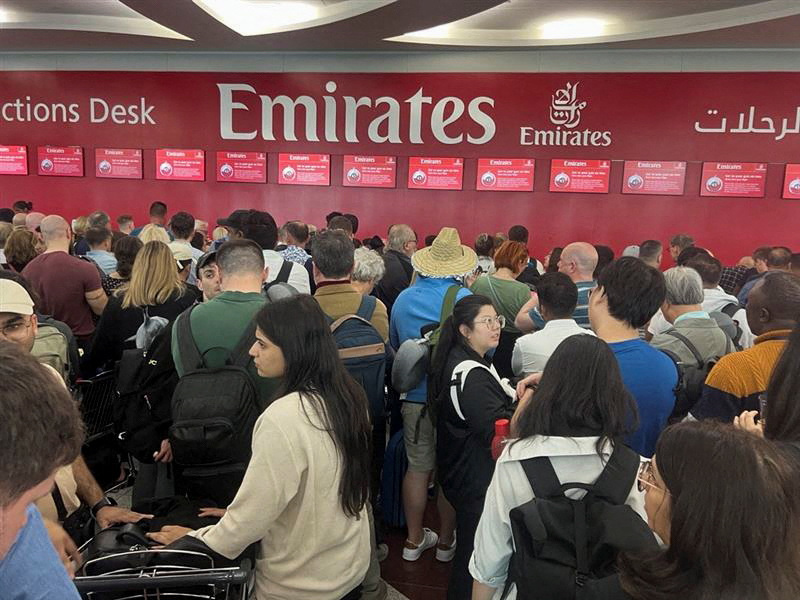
x,y
565,111
565,108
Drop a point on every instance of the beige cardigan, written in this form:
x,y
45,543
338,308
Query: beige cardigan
x,y
289,503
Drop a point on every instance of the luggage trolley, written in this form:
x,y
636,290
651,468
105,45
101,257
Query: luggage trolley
x,y
178,575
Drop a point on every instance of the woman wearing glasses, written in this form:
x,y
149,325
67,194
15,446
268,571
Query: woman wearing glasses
x,y
579,412
467,398
727,506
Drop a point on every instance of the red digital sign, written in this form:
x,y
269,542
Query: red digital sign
x,y
791,182
742,180
432,173
304,169
242,167
180,165
577,175
505,174
118,163
63,161
654,177
13,160
369,171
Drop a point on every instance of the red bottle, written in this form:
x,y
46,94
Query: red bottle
x,y
502,429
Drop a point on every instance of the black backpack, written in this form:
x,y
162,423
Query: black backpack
x,y
691,376
145,380
214,410
564,548
363,353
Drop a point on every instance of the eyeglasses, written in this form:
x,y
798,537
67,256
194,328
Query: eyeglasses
x,y
15,330
647,478
492,322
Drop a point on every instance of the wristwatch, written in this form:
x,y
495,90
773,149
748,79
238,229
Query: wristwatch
x,y
102,503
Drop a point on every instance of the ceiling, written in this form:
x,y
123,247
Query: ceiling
x,y
394,25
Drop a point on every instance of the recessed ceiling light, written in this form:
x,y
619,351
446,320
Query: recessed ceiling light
x,y
572,28
255,17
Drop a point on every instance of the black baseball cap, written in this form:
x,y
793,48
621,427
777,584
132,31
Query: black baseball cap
x,y
236,220
208,257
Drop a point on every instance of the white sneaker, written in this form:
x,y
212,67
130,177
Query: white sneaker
x,y
412,552
446,553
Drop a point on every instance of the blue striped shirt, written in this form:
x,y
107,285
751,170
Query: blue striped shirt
x,y
581,313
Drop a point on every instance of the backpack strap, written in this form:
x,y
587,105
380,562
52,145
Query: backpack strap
x,y
449,303
240,355
731,309
459,376
686,342
618,476
283,274
191,358
542,477
367,308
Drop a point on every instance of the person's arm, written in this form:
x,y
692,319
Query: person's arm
x,y
482,591
97,300
488,564
483,402
523,321
89,491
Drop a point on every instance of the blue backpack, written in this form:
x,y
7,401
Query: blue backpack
x,y
364,353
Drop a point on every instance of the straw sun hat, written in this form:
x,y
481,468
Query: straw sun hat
x,y
446,257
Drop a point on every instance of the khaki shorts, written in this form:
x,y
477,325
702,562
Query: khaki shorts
x,y
422,452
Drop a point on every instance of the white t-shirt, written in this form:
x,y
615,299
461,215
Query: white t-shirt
x,y
531,351
298,276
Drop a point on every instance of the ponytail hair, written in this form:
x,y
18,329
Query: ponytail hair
x,y
464,313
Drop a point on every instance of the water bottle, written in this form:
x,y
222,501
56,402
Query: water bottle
x,y
502,429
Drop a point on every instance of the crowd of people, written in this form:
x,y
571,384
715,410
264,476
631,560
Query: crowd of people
x,y
624,427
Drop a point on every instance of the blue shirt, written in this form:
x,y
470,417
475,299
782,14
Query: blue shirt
x,y
651,377
32,570
415,307
105,260
581,312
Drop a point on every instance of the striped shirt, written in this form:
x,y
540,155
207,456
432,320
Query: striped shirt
x,y
738,379
581,312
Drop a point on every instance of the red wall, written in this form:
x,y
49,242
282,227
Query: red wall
x,y
649,117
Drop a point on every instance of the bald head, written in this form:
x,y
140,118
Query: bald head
x,y
33,220
54,228
774,302
578,260
19,220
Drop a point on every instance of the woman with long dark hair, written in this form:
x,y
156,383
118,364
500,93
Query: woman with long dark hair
x,y
468,398
727,506
580,412
304,495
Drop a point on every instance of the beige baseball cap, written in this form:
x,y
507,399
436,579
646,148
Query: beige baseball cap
x,y
14,299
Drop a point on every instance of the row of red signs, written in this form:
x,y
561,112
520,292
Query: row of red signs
x,y
432,173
